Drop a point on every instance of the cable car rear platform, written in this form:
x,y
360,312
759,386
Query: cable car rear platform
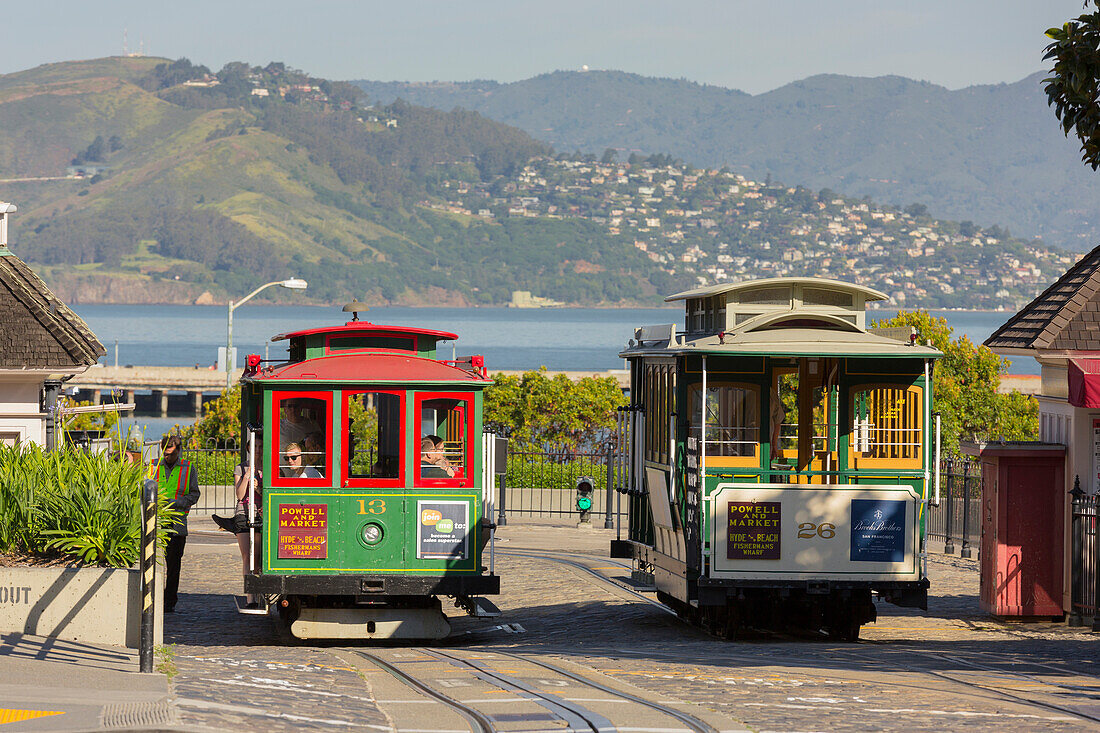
x,y
354,585
702,590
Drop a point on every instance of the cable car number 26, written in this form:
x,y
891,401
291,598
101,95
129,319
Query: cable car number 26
x,y
374,506
809,530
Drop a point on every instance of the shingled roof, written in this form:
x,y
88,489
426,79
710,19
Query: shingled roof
x,y
37,330
1064,316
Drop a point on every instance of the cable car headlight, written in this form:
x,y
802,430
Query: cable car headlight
x,y
371,534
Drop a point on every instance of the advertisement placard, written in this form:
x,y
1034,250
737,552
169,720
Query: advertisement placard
x,y
303,532
878,530
443,529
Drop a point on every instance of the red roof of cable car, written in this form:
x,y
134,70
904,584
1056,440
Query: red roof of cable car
x,y
359,327
370,368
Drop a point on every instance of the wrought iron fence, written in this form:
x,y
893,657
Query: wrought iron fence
x,y
215,463
957,520
545,485
1085,549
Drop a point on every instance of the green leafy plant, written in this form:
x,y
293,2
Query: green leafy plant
x,y
557,414
1072,87
74,504
166,660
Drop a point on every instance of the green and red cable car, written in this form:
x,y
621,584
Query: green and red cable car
x,y
376,493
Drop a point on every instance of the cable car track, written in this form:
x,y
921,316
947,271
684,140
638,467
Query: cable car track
x,y
478,722
577,717
564,558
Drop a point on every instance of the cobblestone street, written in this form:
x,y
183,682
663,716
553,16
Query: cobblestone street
x,y
913,670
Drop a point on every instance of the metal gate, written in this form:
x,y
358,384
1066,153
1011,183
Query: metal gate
x,y
1085,592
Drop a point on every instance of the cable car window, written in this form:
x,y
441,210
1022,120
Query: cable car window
x,y
733,419
369,343
374,435
887,422
444,437
657,396
302,437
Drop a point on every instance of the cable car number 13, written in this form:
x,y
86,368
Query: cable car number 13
x,y
374,506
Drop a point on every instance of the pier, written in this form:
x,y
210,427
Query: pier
x,y
131,383
197,385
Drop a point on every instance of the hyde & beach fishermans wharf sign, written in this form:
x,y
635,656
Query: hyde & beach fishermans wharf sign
x,y
303,531
753,532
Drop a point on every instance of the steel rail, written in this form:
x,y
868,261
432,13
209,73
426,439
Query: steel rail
x,y
550,556
689,720
558,558
598,723
1003,693
478,721
575,716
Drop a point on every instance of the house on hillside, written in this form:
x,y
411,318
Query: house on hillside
x,y
42,344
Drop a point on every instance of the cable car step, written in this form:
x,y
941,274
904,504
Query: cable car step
x,y
257,609
477,606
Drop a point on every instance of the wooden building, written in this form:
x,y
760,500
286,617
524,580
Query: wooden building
x,y
42,344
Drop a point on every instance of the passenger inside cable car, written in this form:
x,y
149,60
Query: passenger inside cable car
x,y
433,463
295,468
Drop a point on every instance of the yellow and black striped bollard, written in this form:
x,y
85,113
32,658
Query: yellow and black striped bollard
x,y
148,570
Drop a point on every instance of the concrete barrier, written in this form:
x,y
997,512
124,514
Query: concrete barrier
x,y
89,604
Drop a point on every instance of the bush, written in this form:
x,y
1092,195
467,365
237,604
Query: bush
x,y
73,504
214,467
549,471
221,421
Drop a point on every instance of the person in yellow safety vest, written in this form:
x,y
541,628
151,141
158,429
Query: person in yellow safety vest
x,y
178,481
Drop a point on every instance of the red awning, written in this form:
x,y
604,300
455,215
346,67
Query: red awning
x,y
1084,382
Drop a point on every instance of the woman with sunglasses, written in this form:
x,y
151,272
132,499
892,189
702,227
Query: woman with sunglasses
x,y
293,465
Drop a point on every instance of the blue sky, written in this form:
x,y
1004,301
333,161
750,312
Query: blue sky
x,y
754,46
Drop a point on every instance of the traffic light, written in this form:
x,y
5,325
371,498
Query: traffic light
x,y
585,488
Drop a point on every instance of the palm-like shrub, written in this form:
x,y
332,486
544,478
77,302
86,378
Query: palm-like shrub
x,y
73,504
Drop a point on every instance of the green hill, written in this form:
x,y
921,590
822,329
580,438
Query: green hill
x,y
147,180
195,182
992,153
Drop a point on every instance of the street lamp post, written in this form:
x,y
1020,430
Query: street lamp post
x,y
294,283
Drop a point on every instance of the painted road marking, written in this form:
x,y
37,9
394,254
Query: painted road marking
x,y
8,715
914,711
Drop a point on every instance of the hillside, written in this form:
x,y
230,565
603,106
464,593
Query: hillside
x,y
992,154
147,180
166,182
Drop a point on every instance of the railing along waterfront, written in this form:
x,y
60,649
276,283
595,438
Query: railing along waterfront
x,y
957,520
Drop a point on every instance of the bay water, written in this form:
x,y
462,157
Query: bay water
x,y
561,339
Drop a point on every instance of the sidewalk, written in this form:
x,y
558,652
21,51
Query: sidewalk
x,y
53,685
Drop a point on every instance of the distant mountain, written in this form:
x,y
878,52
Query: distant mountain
x,y
990,154
147,180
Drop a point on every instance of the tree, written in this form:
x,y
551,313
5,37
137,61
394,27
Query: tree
x,y
965,385
540,413
221,421
1073,87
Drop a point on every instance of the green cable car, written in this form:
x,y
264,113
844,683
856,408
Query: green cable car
x,y
375,482
777,457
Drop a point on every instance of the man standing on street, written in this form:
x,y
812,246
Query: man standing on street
x,y
177,480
